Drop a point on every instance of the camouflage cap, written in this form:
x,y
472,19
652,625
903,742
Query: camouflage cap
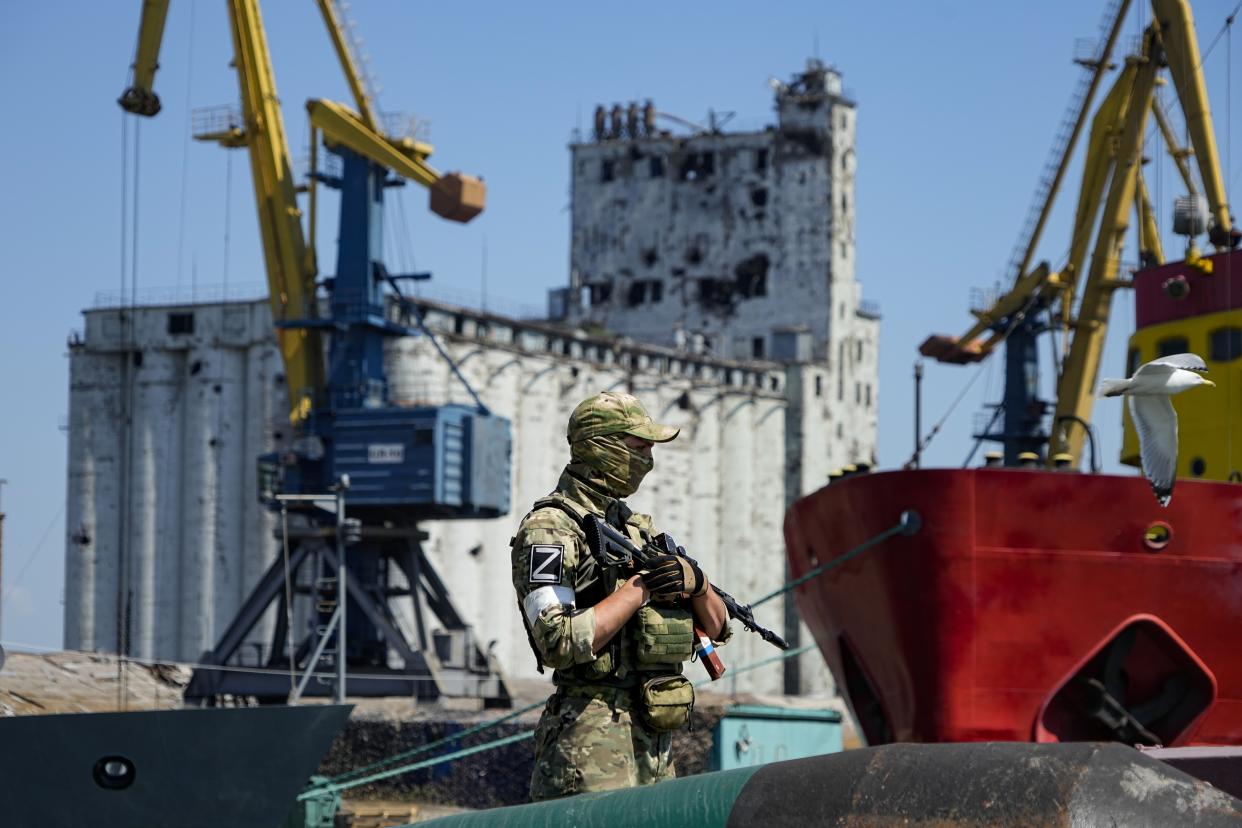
x,y
611,413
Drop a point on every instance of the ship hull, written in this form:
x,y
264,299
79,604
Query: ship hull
x,y
987,623
210,767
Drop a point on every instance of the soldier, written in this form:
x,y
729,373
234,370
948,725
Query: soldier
x,y
616,641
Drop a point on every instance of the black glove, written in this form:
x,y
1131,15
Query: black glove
x,y
669,576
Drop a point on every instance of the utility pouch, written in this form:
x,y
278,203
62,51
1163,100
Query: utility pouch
x,y
665,702
604,665
665,635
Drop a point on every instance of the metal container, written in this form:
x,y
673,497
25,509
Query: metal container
x,y
753,734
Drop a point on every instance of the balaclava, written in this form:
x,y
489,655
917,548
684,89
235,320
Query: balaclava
x,y
609,463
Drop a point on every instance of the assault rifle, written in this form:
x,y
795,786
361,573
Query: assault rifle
x,y
612,548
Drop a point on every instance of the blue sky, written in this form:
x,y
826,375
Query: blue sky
x,y
958,104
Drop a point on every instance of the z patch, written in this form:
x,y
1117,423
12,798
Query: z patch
x,y
546,562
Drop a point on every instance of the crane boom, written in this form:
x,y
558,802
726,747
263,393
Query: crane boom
x,y
1098,68
1040,279
139,97
1076,385
290,262
455,196
336,31
1181,48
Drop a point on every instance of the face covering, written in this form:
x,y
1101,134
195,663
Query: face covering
x,y
617,467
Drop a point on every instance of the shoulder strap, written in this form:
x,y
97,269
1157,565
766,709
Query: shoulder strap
x,y
574,510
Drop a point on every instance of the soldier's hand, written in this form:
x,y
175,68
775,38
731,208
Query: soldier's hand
x,y
670,576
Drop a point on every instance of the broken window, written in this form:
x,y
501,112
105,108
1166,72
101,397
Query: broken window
x,y
756,347
607,170
181,323
752,276
715,292
637,294
656,166
759,196
695,166
761,160
650,257
601,292
644,290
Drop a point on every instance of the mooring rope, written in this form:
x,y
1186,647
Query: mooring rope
x,y
444,740
907,524
333,786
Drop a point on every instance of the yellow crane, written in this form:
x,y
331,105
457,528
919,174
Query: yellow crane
x,y
1112,186
289,258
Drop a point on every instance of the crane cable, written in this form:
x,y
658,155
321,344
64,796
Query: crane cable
x,y
129,271
1226,27
1014,319
1228,382
185,157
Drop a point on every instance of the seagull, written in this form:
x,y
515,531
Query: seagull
x,y
1154,418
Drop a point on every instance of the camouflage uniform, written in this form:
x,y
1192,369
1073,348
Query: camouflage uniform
x,y
589,737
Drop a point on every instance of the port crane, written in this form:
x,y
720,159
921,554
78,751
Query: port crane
x,y
1078,296
405,464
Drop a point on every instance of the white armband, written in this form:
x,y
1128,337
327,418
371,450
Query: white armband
x,y
547,596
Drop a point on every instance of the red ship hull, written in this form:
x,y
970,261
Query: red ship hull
x,y
991,620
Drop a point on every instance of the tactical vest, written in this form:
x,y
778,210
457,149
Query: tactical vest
x,y
663,638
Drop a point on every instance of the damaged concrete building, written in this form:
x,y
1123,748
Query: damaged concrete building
x,y
725,242
739,245
712,274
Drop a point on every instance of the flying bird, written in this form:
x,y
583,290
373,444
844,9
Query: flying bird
x,y
1154,418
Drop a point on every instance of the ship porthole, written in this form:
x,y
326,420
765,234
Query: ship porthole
x,y
115,773
1198,467
1157,536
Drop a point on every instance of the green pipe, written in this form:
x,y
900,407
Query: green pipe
x,y
703,801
